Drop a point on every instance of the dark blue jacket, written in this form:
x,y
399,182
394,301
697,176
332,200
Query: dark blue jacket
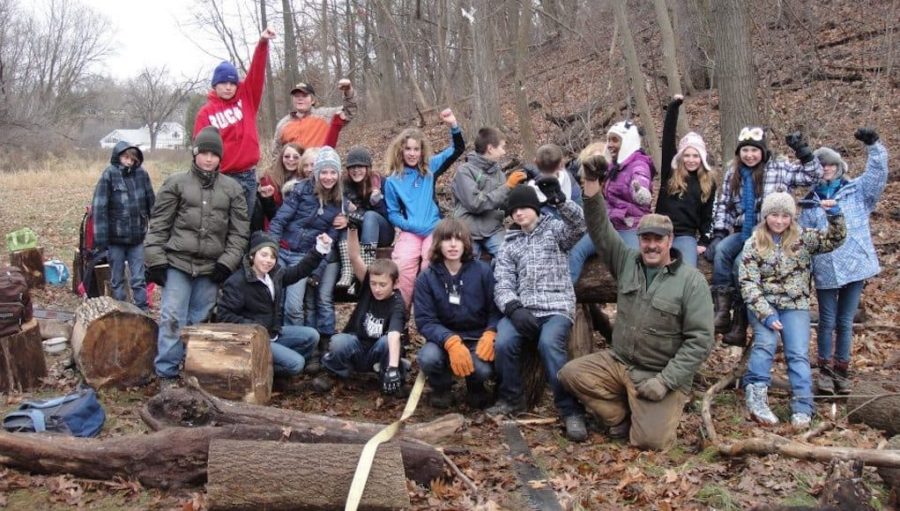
x,y
122,201
437,319
301,218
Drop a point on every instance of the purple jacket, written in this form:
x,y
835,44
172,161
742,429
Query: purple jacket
x,y
625,210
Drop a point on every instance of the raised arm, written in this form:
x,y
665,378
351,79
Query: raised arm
x,y
609,245
874,178
669,148
442,161
256,75
356,260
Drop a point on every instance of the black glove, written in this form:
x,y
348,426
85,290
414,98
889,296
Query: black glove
x,y
867,136
594,168
221,273
157,274
801,148
355,219
524,321
390,381
549,186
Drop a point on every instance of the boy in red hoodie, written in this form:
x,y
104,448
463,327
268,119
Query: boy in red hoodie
x,y
231,107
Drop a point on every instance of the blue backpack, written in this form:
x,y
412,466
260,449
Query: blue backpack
x,y
76,414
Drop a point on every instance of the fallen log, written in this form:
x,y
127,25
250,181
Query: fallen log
x,y
891,476
876,404
22,363
114,343
230,361
245,475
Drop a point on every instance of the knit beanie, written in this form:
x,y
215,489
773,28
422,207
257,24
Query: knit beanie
x,y
695,141
631,139
327,159
778,202
359,156
261,239
225,73
522,196
208,140
828,156
753,136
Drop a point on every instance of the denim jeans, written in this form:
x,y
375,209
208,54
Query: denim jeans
x,y
134,255
320,301
724,267
294,345
293,294
376,229
552,346
795,338
435,363
347,354
836,310
687,245
491,244
248,182
186,301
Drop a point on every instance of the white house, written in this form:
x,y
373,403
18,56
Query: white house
x,y
170,136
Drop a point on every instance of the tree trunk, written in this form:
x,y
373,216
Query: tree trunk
x,y
114,343
522,27
22,363
384,57
291,76
245,475
484,71
323,38
637,79
230,361
670,63
878,412
734,74
31,262
404,54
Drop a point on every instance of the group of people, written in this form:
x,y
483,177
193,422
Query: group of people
x,y
279,244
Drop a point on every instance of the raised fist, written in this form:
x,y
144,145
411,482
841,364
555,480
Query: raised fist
x,y
448,117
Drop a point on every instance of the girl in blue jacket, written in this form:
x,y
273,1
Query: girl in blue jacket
x,y
410,196
841,275
456,313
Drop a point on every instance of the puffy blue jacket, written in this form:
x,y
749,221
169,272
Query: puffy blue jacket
x,y
301,218
437,319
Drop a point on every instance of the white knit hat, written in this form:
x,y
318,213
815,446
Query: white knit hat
x,y
779,202
327,159
695,141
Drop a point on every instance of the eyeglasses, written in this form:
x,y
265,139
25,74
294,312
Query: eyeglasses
x,y
756,134
291,157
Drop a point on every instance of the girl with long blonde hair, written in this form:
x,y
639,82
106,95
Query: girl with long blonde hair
x,y
273,186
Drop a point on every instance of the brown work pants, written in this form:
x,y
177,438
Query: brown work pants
x,y
602,383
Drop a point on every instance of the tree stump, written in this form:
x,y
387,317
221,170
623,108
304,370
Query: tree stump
x,y
244,475
114,343
22,363
31,262
230,361
882,413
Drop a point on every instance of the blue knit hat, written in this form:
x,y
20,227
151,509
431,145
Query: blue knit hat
x,y
327,159
225,72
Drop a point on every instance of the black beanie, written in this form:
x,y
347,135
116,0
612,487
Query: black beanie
x,y
208,140
261,239
523,196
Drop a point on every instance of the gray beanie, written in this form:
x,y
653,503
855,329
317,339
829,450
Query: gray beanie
x,y
327,159
778,202
359,156
828,156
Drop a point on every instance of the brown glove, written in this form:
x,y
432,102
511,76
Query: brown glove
x,y
485,347
515,178
460,358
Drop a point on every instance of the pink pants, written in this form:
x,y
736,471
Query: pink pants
x,y
411,253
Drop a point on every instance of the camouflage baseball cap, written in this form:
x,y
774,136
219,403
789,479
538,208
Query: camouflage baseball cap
x,y
655,224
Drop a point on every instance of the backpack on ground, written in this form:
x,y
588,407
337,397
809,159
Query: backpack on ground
x,y
78,414
15,301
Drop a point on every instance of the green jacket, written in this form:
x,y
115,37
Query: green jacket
x,y
193,227
666,329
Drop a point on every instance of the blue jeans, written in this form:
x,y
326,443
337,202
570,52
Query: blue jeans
x,y
836,310
347,354
552,346
376,229
795,338
294,345
186,301
687,245
724,269
491,245
248,182
320,301
293,294
134,255
435,363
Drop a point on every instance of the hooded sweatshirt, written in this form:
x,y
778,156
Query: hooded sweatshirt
x,y
122,201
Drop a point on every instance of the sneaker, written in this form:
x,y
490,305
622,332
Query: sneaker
x,y
620,430
441,399
504,407
757,398
576,430
323,383
800,420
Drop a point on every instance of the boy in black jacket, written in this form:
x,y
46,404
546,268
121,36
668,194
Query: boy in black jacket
x,y
255,295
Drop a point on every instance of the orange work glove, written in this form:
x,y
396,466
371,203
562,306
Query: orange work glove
x,y
515,178
485,347
460,358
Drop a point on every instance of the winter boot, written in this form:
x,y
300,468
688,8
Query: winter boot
x,y
314,363
825,381
722,300
441,399
737,336
757,398
369,253
477,396
346,279
842,383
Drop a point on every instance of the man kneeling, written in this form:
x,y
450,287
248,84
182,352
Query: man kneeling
x,y
663,330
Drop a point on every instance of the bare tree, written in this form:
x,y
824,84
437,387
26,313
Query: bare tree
x,y
484,71
522,24
669,61
153,97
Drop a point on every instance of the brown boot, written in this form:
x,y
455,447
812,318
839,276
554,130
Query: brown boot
x,y
842,383
722,296
737,336
825,381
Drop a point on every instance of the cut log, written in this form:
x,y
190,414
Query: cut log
x,y
22,363
230,361
51,328
581,338
876,404
596,285
246,475
114,343
31,262
891,476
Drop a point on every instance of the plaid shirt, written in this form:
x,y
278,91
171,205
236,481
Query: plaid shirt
x,y
122,203
534,267
780,175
